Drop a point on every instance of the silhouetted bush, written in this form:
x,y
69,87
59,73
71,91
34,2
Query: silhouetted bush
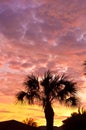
x,y
77,121
30,122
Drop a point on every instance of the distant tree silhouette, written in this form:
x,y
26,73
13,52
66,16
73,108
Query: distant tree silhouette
x,y
48,89
30,122
77,121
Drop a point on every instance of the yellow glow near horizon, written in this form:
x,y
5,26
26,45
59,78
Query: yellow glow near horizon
x,y
21,112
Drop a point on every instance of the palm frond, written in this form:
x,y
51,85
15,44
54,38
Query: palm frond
x,y
72,101
70,87
32,83
62,95
58,87
20,96
32,97
53,89
46,79
63,77
48,75
54,81
45,82
65,87
64,90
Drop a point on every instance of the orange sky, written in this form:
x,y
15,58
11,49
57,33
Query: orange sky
x,y
35,36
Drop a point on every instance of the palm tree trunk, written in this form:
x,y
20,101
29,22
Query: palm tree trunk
x,y
49,115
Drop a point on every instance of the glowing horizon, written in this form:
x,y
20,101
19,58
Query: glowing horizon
x,y
21,112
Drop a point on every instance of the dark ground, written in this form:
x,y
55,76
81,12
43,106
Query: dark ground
x,y
16,125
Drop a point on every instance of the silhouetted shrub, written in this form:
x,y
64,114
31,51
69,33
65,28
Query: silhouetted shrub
x,y
77,121
30,122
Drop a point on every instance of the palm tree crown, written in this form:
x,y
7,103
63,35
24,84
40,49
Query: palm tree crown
x,y
49,88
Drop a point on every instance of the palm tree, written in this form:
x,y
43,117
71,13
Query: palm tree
x,y
48,89
84,67
30,122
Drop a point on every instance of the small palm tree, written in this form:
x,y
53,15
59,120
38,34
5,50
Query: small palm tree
x,y
30,122
48,89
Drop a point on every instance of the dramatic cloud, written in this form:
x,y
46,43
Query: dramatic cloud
x,y
39,35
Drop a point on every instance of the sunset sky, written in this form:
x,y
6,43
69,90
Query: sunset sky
x,y
37,35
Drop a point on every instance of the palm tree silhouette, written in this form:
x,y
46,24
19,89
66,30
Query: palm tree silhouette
x,y
84,67
48,89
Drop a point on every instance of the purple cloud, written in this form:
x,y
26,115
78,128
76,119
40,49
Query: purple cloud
x,y
37,36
